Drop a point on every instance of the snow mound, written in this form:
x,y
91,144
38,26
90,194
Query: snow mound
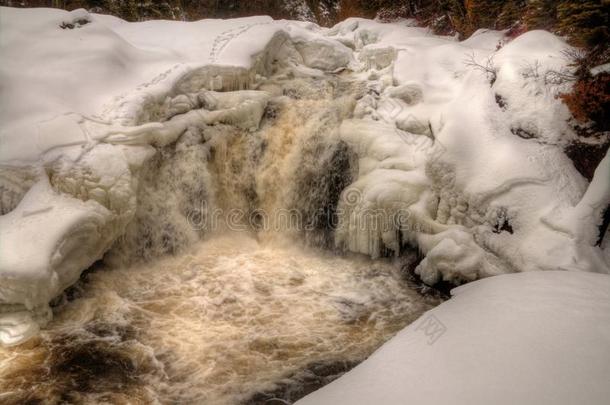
x,y
460,148
530,338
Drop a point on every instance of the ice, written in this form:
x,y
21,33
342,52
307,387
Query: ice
x,y
467,138
46,242
580,222
410,93
65,222
324,55
529,338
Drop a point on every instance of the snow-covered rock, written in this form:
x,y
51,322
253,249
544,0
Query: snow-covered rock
x,y
530,338
466,140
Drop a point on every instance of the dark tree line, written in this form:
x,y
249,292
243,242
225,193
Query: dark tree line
x,y
140,10
584,21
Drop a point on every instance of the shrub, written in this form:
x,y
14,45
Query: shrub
x,y
589,101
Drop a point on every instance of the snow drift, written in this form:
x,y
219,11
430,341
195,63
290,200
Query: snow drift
x,y
529,338
465,163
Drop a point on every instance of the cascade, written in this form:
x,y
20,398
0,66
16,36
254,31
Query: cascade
x,y
225,287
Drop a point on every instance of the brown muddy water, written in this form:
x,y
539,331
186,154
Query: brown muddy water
x,y
229,322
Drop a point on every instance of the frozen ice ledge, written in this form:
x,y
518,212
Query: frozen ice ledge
x,y
438,165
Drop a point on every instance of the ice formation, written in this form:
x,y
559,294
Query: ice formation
x,y
446,166
119,136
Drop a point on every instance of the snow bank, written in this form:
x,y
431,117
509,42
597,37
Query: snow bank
x,y
460,148
63,224
93,70
529,338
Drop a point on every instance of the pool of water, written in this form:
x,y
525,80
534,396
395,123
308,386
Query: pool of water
x,y
224,323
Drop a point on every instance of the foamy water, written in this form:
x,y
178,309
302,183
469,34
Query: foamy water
x,y
227,320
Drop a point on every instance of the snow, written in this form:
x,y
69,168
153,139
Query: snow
x,y
59,229
87,69
528,338
600,69
438,129
472,103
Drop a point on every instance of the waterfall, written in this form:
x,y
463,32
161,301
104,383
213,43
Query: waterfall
x,y
225,287
280,181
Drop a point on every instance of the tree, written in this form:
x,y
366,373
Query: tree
x,y
540,14
585,22
510,14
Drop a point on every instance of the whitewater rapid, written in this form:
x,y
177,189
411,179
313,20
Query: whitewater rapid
x,y
229,321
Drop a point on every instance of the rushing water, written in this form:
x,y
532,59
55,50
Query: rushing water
x,y
227,320
186,311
